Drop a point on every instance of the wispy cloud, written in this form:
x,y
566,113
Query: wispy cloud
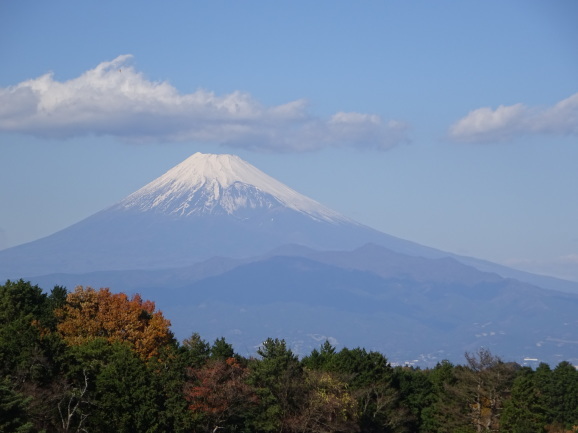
x,y
115,99
508,122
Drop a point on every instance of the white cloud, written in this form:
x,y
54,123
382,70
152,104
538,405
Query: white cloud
x,y
114,99
508,122
366,130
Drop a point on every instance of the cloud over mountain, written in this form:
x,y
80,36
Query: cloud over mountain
x,y
115,99
507,122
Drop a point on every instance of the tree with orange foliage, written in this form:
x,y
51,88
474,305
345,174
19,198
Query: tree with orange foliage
x,y
90,313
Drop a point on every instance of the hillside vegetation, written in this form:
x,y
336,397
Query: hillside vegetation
x,y
96,361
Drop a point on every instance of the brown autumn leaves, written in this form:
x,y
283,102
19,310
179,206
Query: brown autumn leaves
x,y
90,313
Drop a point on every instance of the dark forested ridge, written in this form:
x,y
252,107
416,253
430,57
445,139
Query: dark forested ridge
x,y
97,361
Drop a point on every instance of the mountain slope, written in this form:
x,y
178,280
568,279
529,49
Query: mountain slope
x,y
209,205
403,316
406,307
221,184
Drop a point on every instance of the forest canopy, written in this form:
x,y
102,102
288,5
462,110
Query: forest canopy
x,y
96,361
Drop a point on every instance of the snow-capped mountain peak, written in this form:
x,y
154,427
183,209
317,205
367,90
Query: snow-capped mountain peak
x,y
221,184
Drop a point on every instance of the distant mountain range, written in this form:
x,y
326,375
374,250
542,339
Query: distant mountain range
x,y
226,250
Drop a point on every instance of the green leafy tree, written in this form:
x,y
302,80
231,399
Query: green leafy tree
x,y
119,394
168,376
125,394
111,388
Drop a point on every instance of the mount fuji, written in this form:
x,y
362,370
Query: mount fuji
x,y
208,205
226,250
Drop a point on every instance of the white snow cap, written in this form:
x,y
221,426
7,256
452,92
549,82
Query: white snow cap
x,y
206,179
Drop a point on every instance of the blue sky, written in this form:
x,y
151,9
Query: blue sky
x,y
451,124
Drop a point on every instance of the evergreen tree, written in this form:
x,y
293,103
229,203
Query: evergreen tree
x,y
564,395
279,382
221,350
321,359
370,377
29,351
14,417
22,308
124,397
417,394
168,376
525,411
195,351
